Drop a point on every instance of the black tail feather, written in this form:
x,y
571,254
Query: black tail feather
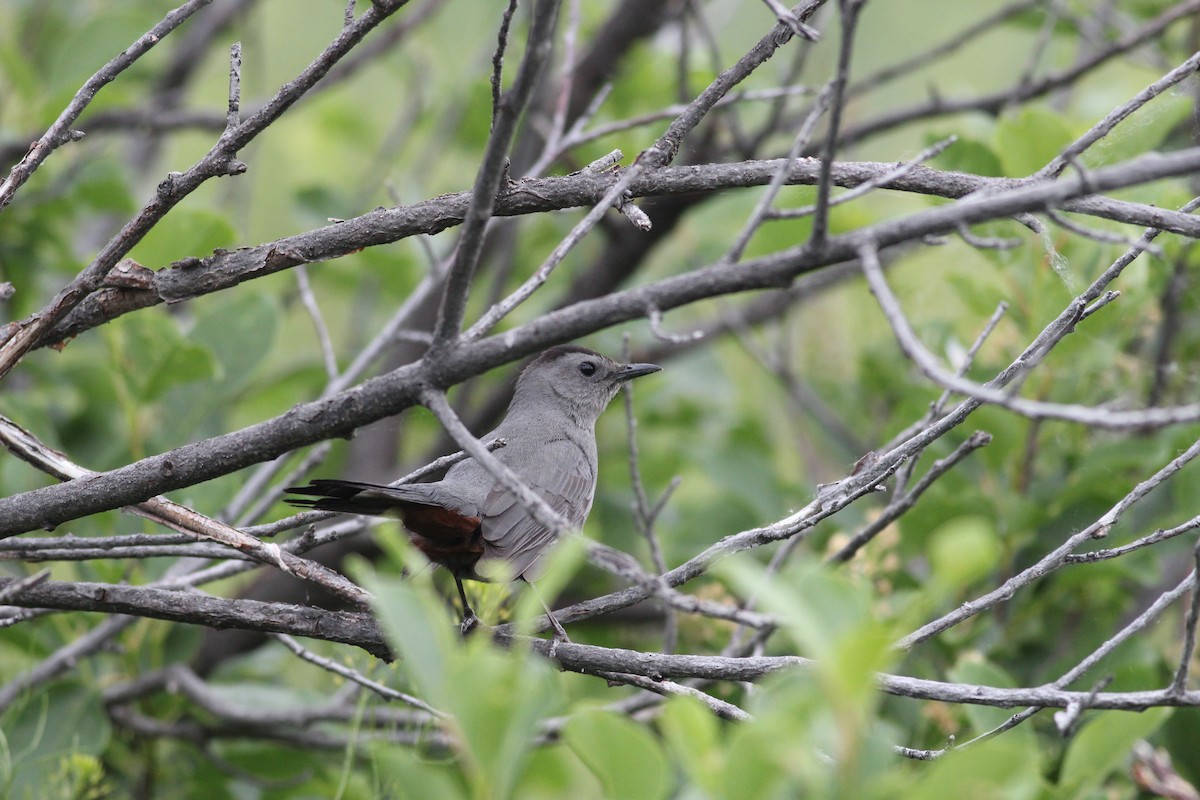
x,y
341,496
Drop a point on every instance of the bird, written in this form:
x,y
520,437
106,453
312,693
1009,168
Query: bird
x,y
468,522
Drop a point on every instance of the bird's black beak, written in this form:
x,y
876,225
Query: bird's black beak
x,y
631,371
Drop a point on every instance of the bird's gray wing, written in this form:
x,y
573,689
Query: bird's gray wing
x,y
565,478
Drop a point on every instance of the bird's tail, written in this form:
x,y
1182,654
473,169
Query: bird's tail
x,y
349,497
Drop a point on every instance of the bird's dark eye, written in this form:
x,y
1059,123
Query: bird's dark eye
x,y
587,368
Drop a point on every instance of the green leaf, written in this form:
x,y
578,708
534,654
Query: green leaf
x,y
415,624
156,356
44,733
968,155
1103,745
1004,768
182,364
625,757
693,737
499,700
239,331
103,187
1029,139
495,699
822,611
964,550
554,772
408,775
181,234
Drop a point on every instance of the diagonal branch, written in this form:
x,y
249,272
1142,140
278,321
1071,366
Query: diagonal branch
x,y
223,270
220,160
60,131
492,171
386,395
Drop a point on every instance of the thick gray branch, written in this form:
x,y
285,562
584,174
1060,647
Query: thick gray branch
x,y
133,288
340,414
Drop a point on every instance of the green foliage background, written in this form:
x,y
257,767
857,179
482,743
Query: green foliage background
x,y
744,453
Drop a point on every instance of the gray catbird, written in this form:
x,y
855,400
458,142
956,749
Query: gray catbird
x,y
468,522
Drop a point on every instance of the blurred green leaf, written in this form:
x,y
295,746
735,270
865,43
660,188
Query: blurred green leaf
x,y
103,187
693,736
968,155
495,699
964,550
184,233
156,355
1027,139
240,332
1103,745
408,775
44,732
1003,768
628,761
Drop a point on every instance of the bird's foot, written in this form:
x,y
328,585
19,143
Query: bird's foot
x,y
554,642
559,637
470,622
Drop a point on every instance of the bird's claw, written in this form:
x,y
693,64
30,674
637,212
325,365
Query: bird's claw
x,y
554,642
469,623
559,637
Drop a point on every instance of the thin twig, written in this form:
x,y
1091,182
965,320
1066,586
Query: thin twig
x,y
329,665
1033,409
553,146
1145,541
220,160
995,102
1117,115
1179,682
21,584
180,518
492,170
820,225
881,181
309,300
899,506
59,132
722,708
1138,624
937,408
929,54
1054,558
1098,235
762,207
644,515
1054,10
530,500
793,22
498,59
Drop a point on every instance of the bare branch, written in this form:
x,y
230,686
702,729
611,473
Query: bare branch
x,y
220,160
899,506
1119,114
1179,682
386,692
492,171
60,132
1034,409
1054,558
849,10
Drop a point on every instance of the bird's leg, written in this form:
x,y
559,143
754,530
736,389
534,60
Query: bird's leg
x,y
469,620
560,633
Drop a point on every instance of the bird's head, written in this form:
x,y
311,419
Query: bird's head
x,y
575,378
